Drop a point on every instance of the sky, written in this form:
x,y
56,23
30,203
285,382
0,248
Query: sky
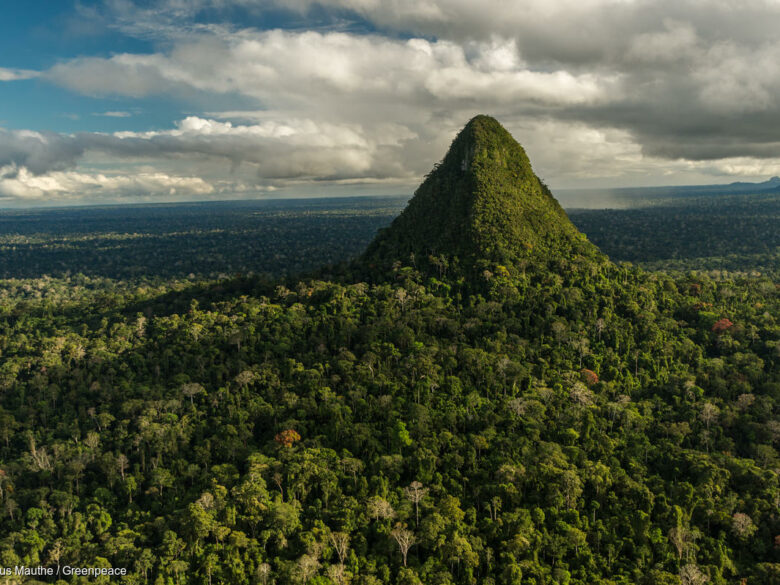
x,y
106,101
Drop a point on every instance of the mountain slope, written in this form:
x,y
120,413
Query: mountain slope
x,y
482,202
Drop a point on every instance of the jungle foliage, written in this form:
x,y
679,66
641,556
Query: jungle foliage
x,y
514,415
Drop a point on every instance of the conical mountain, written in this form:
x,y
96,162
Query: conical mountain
x,y
482,202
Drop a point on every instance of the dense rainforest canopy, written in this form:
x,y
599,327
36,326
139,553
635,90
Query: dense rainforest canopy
x,y
482,398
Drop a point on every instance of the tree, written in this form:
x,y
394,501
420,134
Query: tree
x,y
722,325
404,538
287,438
245,378
263,572
709,413
601,325
338,574
582,345
691,575
681,538
121,463
581,395
380,508
416,492
307,567
571,487
55,553
589,376
742,526
340,543
192,389
162,478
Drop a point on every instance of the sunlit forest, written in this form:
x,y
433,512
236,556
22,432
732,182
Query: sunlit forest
x,y
240,393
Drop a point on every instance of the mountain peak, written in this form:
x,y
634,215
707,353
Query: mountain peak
x,y
482,202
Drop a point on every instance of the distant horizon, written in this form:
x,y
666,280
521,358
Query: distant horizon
x,y
303,197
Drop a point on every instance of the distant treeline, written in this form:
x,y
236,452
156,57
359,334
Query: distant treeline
x,y
284,237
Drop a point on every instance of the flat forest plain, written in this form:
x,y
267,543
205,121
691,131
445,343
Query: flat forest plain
x,y
720,234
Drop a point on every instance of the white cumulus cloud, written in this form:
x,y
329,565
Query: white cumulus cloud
x,y
302,69
20,183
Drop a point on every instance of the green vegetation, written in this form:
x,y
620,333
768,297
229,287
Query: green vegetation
x,y
482,202
274,238
520,415
286,238
732,233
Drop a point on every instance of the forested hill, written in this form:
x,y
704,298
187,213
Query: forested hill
x,y
539,418
483,203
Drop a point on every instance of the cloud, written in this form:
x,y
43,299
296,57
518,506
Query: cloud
x,y
20,183
612,90
298,149
269,154
666,46
128,75
684,80
566,31
348,106
295,149
39,152
17,74
113,114
742,166
296,69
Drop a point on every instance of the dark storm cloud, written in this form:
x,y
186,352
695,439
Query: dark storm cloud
x,y
37,151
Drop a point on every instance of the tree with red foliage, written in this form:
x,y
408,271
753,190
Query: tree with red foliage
x,y
589,376
287,438
722,325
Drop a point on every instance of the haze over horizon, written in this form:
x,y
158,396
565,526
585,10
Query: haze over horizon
x,y
164,100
